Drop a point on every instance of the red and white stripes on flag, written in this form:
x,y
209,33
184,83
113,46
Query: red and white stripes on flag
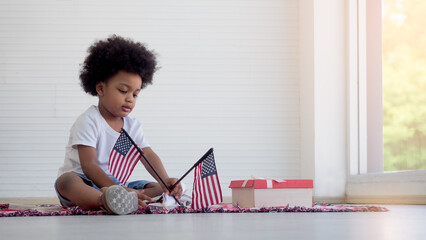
x,y
123,158
206,190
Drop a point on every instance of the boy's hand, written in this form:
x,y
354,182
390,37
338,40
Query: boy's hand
x,y
177,191
141,196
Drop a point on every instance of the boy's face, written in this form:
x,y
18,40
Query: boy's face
x,y
117,96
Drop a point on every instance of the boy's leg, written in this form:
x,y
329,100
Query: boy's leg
x,y
152,189
73,188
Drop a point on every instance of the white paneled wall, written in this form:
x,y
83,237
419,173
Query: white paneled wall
x,y
228,80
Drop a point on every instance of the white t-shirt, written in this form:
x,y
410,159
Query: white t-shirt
x,y
91,129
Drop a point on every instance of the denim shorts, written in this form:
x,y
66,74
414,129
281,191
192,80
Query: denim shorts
x,y
140,184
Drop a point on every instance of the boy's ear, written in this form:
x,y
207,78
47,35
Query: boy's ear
x,y
100,88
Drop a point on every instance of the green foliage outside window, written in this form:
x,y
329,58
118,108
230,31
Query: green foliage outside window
x,y
404,84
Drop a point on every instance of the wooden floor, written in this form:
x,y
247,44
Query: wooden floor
x,y
406,222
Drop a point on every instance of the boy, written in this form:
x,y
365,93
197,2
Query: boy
x,y
92,177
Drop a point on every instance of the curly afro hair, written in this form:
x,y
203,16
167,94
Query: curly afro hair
x,y
107,57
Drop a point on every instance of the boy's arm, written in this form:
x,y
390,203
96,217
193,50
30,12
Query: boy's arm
x,y
158,165
89,164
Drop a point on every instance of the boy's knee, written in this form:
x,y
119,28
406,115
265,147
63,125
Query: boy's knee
x,y
66,180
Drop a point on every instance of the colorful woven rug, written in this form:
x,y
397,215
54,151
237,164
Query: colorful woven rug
x,y
19,210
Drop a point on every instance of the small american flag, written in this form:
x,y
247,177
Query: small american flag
x,y
123,158
206,189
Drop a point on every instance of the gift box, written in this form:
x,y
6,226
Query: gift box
x,y
272,193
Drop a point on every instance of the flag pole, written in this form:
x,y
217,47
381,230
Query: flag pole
x,y
153,169
196,164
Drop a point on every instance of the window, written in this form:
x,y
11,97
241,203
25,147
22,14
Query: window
x,y
391,78
369,182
